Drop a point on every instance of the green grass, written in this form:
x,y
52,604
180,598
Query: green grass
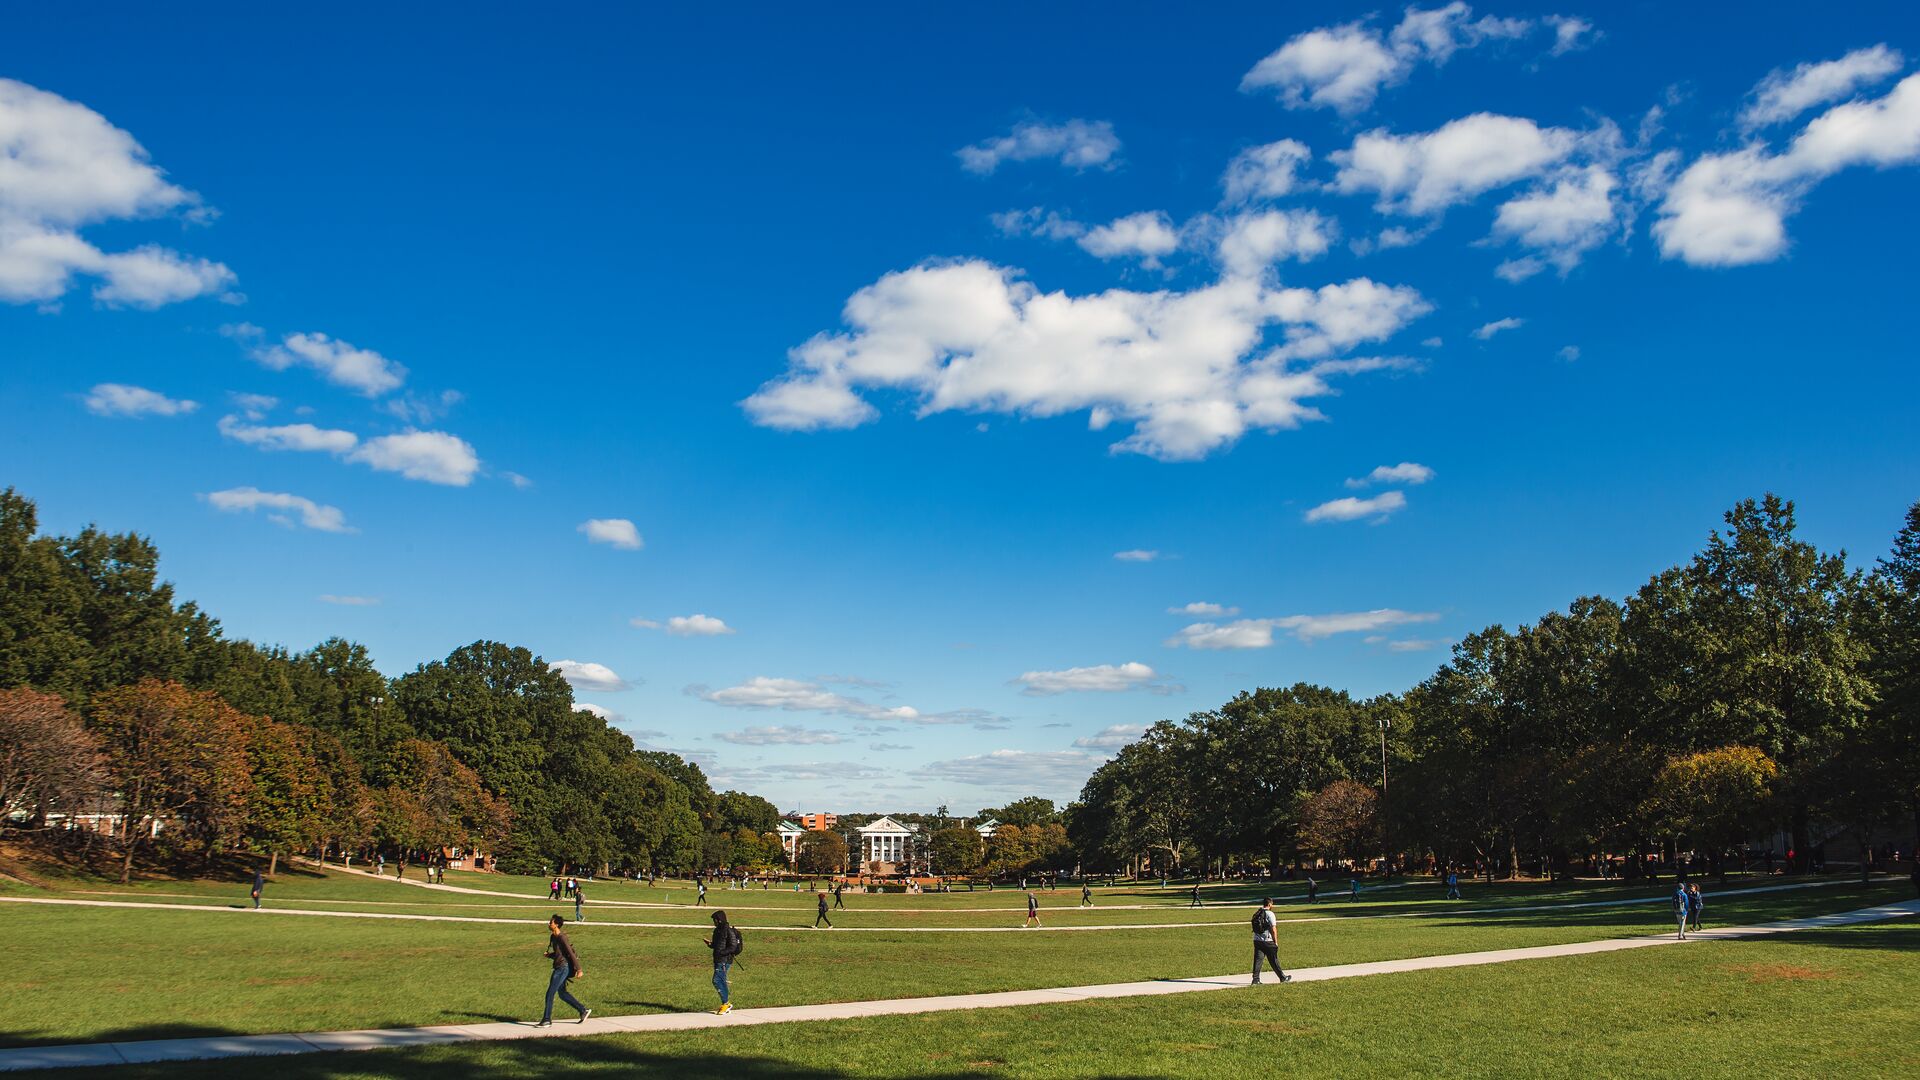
x,y
96,973
1835,1003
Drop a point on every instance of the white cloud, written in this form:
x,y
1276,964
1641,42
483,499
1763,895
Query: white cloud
x,y
586,675
1565,220
1413,645
1203,609
119,399
1487,330
1146,236
1105,678
1730,209
1255,241
63,166
1137,555
615,532
350,601
1345,67
1407,472
516,480
1428,172
1076,144
1265,172
1352,509
1111,738
1037,221
303,437
312,514
1570,33
1785,94
1258,633
697,626
254,406
1055,772
797,695
361,370
1190,370
600,711
778,735
433,456
1569,353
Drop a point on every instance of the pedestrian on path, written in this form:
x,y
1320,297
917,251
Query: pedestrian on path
x,y
1695,905
727,946
1353,890
566,965
702,898
258,884
1086,895
1033,909
1313,891
1681,907
579,899
380,865
1266,945
1453,885
1196,896
822,916
839,888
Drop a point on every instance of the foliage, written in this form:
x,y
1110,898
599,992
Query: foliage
x,y
1341,821
49,761
822,852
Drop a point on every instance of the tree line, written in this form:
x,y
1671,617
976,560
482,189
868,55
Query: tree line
x,y
115,696
1763,687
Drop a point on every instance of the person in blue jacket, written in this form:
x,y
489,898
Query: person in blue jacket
x,y
1681,908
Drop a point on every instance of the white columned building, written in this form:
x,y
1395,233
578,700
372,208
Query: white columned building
x,y
885,842
790,835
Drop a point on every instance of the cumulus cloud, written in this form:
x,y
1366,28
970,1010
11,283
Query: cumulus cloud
x,y
1730,209
1785,94
614,532
798,695
254,406
1137,555
686,625
349,601
1076,144
1487,330
1454,163
778,735
1104,678
1570,33
1192,371
1253,242
1024,771
64,166
1258,633
1563,220
1344,68
1265,172
1146,236
433,456
1407,472
302,437
1353,509
282,508
1203,609
1111,738
1569,353
119,399
362,370
586,675
600,711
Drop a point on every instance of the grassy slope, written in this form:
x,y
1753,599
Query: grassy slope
x,y
1836,1003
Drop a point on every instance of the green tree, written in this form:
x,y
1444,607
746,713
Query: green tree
x,y
290,796
1716,798
1032,810
822,852
955,851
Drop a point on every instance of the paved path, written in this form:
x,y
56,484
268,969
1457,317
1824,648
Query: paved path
x,y
217,906
104,1054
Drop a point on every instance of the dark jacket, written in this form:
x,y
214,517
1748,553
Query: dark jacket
x,y
726,943
562,952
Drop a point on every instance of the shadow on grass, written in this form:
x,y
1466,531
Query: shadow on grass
x,y
14,1040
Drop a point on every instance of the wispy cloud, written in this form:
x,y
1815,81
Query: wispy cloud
x,y
614,532
281,508
1103,678
1353,509
1258,633
119,399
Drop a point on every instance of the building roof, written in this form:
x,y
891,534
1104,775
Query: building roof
x,y
786,826
885,825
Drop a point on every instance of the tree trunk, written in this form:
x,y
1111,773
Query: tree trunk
x,y
273,863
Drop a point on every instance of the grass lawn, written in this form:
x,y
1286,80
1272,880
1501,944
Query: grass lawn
x,y
83,974
1834,1003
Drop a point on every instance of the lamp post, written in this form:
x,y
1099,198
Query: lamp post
x,y
1386,830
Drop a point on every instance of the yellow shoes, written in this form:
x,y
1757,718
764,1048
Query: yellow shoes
x,y
724,1009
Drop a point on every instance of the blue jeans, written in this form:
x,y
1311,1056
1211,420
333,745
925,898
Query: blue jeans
x,y
558,985
720,978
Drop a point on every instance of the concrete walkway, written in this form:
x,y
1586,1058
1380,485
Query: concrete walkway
x,y
97,1055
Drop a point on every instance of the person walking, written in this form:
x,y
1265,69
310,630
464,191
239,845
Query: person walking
x,y
727,946
1695,905
1033,909
380,865
1353,890
821,916
573,886
1195,902
579,900
259,883
1086,895
1681,907
1266,945
702,898
1313,891
839,890
566,965
1453,885
553,890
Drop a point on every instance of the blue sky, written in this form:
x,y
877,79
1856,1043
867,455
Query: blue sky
x,y
884,337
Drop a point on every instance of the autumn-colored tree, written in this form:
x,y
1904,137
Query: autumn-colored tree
x,y
434,801
822,852
956,850
1716,799
48,759
1010,849
178,758
1341,821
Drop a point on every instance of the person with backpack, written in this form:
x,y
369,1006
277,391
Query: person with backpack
x,y
821,917
1353,890
566,965
727,945
1266,945
839,889
1196,896
1313,891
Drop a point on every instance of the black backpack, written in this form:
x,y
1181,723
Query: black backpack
x,y
739,943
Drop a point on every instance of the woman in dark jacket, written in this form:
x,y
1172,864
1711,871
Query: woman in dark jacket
x,y
726,945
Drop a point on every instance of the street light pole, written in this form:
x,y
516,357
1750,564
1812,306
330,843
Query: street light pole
x,y
1386,830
